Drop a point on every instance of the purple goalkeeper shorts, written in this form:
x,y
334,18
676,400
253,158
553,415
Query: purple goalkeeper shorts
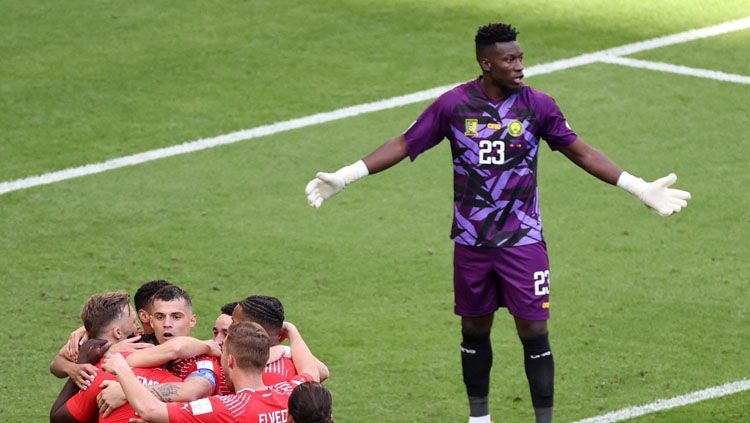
x,y
485,279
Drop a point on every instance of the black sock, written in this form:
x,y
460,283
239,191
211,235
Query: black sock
x,y
476,362
540,370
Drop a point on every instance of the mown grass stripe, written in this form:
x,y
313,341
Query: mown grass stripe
x,y
393,102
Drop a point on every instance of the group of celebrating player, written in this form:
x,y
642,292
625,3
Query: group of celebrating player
x,y
118,373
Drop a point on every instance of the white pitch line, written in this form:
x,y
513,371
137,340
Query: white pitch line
x,y
287,125
682,70
231,138
662,404
681,37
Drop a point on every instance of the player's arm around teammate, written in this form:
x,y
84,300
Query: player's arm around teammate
x,y
80,373
66,363
144,402
180,347
246,345
91,352
304,360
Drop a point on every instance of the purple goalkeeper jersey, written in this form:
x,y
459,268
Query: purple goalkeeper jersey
x,y
494,145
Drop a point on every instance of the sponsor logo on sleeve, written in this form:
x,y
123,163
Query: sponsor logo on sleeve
x,y
201,406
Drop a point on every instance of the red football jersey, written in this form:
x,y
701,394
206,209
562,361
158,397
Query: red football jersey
x,y
279,371
183,368
82,406
246,406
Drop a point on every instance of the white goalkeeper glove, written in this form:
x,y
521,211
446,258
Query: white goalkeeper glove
x,y
326,185
656,195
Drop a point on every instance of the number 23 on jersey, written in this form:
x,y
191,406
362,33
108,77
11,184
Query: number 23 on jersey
x,y
491,152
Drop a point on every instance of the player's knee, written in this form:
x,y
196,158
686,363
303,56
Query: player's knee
x,y
476,362
477,325
476,349
531,328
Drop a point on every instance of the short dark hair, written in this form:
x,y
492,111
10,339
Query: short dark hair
x,y
228,308
311,402
171,293
100,310
264,310
494,33
143,295
248,342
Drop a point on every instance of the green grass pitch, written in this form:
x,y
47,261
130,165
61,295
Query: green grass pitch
x,y
642,307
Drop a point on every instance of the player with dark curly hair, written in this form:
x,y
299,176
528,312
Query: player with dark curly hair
x,y
310,402
264,310
495,125
269,313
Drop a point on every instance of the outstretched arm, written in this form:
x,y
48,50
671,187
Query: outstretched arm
x,y
325,185
656,195
592,161
387,155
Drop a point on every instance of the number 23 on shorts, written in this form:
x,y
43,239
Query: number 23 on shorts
x,y
541,282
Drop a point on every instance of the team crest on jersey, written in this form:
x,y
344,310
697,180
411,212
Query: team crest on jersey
x,y
494,125
515,128
470,127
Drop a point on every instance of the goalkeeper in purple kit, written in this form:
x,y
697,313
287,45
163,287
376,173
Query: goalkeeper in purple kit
x,y
495,124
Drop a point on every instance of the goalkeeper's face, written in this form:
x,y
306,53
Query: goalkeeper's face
x,y
171,318
502,64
